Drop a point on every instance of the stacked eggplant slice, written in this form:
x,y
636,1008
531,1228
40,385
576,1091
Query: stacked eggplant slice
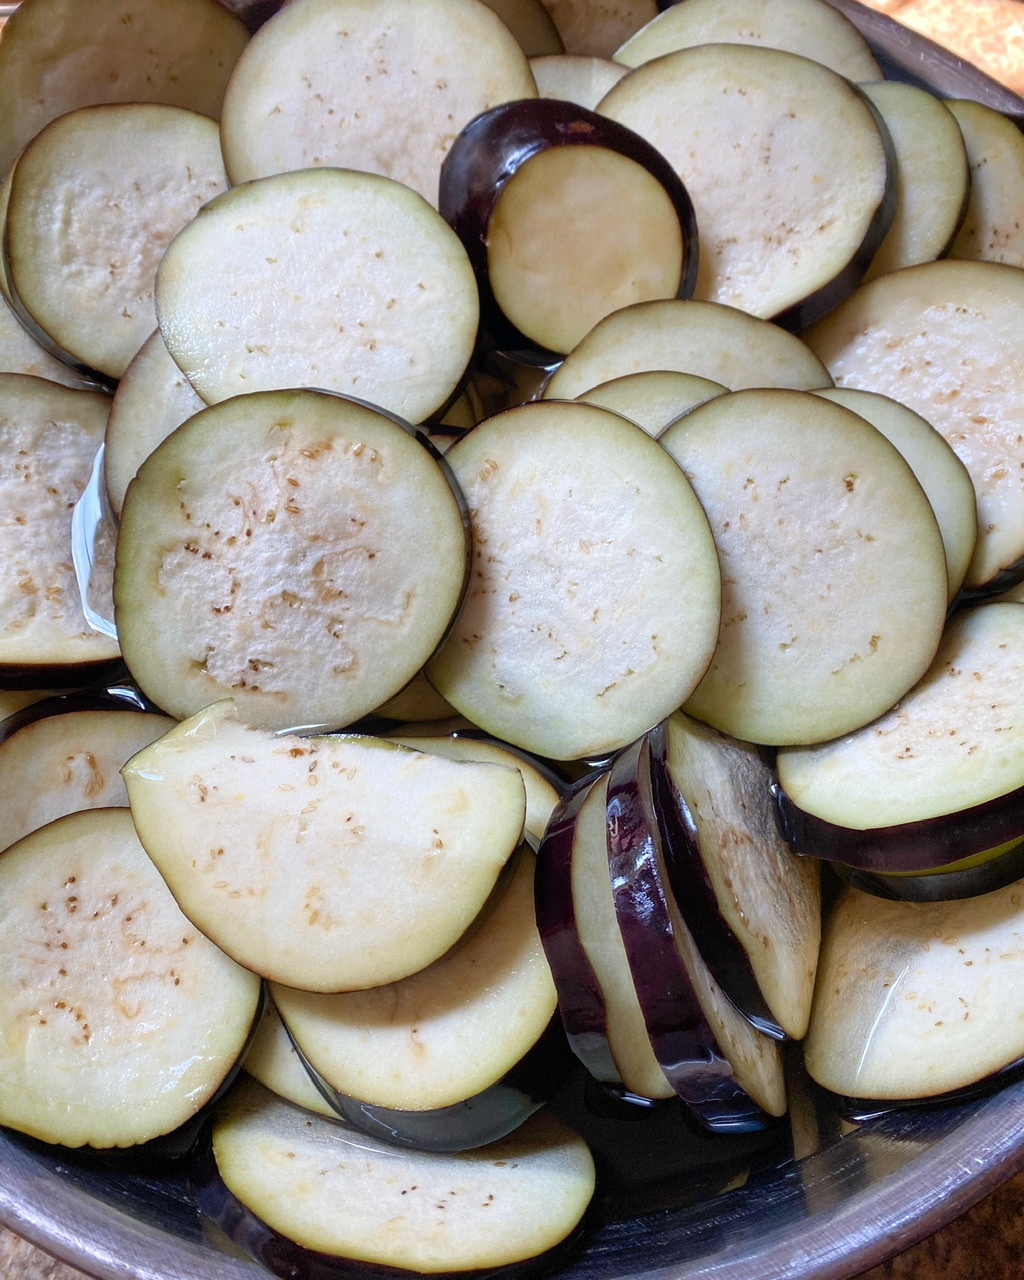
x,y
539,532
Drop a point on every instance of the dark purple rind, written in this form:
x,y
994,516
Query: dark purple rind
x,y
486,1117
490,149
860,1110
580,999
18,676
939,886
683,1042
109,698
695,896
927,844
828,296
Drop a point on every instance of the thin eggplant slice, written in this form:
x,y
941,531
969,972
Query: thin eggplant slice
x,y
713,341
272,1059
938,778
328,863
944,339
916,999
575,77
347,1195
729,117
362,288
728,1073
119,1019
991,229
263,554
827,541
424,1049
548,651
754,908
62,763
655,398
49,436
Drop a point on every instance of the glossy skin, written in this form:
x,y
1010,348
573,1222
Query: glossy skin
x,y
491,148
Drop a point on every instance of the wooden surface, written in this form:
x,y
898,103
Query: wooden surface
x,y
986,1243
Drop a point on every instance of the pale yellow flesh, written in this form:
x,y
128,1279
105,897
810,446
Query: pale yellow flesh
x,y
442,1035
654,398
349,1195
992,229
576,233
325,864
118,1019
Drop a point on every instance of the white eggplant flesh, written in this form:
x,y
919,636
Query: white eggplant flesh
x,y
713,341
953,743
64,763
263,554
304,73
118,1019
273,1060
322,863
349,1195
363,289
178,52
597,27
95,199
943,338
49,436
444,1034
827,542
917,999
20,352
654,398
729,117
992,229
811,28
943,476
932,176
593,602
575,77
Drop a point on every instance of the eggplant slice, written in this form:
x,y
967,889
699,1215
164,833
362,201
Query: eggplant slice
x,y
264,554
119,1019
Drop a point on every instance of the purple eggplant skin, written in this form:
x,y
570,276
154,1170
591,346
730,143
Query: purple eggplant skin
x,y
580,999
939,886
681,1038
17,676
115,697
691,886
490,149
488,1116
860,1110
927,844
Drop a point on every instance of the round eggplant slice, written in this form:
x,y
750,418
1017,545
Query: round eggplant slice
x,y
734,118
48,439
264,554
542,793
119,1019
712,341
178,52
350,1196
943,476
597,27
442,1059
575,77
943,338
727,1072
828,544
95,199
328,278
63,763
654,398
577,514
376,85
753,908
991,229
932,176
566,217
938,778
916,999
324,863
808,27
572,835
152,398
